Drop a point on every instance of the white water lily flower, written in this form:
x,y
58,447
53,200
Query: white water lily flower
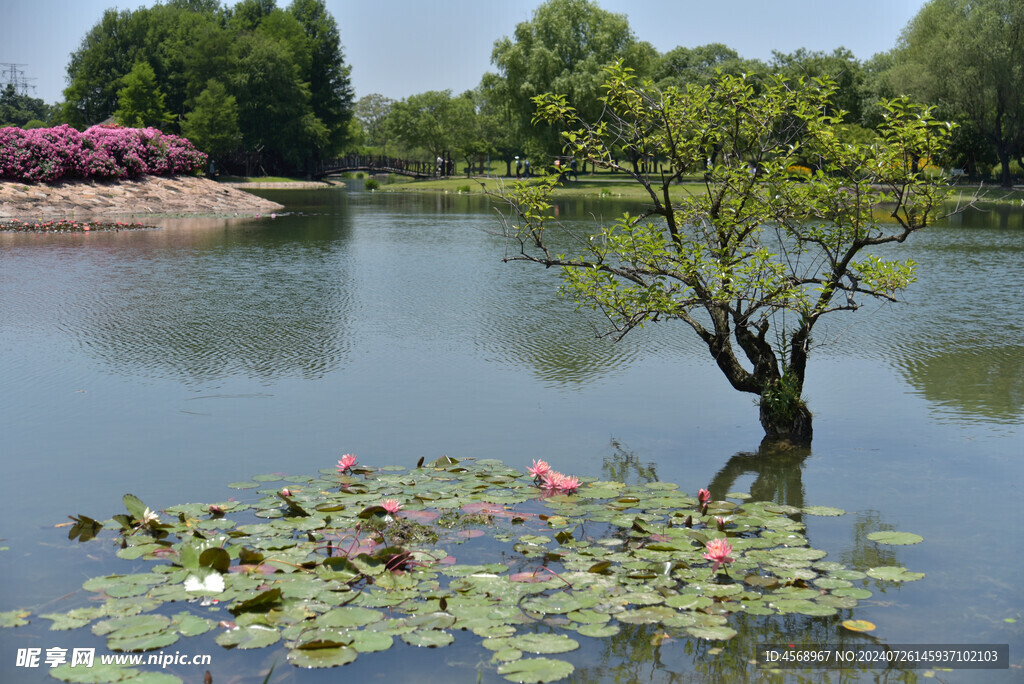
x,y
149,516
212,583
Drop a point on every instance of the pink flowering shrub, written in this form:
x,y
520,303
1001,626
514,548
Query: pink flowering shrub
x,y
50,154
40,154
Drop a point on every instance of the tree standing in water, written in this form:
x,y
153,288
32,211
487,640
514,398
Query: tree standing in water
x,y
777,234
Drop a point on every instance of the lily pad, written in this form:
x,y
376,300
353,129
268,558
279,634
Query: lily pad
x,y
827,511
536,670
14,618
713,633
858,625
536,642
895,538
99,673
894,574
322,657
250,636
429,638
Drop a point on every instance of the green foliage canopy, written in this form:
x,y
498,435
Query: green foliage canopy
x,y
19,110
967,55
212,124
756,258
563,49
284,68
140,103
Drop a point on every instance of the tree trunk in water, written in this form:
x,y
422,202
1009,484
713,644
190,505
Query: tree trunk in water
x,y
791,424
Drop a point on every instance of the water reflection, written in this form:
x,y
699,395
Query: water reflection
x,y
777,470
200,300
975,383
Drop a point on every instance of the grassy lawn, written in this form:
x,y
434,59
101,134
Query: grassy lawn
x,y
610,187
618,187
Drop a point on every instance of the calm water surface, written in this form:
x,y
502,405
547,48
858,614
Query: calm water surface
x,y
171,362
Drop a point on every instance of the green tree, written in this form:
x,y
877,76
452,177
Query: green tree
x,y
372,111
330,87
139,101
967,55
108,51
756,258
277,123
212,125
499,119
563,50
682,66
18,110
433,121
840,66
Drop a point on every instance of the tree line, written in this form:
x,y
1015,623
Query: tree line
x,y
259,88
965,57
264,89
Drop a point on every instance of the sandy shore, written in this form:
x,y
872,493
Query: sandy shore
x,y
148,196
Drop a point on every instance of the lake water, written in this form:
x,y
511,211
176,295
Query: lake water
x,y
170,362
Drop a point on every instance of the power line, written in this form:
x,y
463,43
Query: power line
x,y
13,75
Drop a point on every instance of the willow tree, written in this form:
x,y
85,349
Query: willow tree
x,y
777,234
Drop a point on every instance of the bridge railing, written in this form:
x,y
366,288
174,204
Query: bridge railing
x,y
379,162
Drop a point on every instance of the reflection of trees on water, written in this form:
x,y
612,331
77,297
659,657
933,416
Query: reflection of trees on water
x,y
652,653
623,465
985,383
540,330
264,301
656,653
777,470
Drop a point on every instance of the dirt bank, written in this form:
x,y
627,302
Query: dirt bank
x,y
148,196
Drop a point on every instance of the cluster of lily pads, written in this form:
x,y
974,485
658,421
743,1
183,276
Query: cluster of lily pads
x,y
66,226
345,563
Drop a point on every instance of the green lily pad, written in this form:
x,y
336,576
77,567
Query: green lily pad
x,y
99,673
827,511
894,574
368,642
536,670
555,604
349,616
142,642
14,618
429,638
66,621
713,633
243,485
322,657
250,636
536,642
597,630
895,538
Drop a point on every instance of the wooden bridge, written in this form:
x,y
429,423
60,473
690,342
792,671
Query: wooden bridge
x,y
378,164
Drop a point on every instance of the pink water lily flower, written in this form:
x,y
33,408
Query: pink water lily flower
x,y
539,468
704,496
392,506
555,481
551,480
570,483
717,552
346,462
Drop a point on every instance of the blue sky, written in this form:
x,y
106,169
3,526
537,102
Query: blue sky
x,y
402,47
